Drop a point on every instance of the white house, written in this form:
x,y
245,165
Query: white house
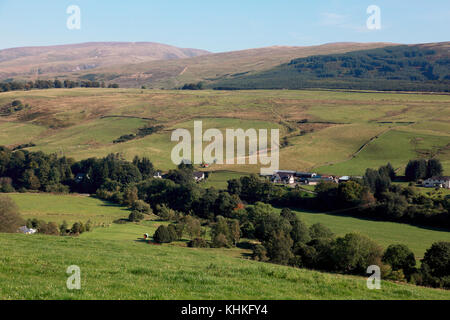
x,y
285,177
437,182
199,176
26,230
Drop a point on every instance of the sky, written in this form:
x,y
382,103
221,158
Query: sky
x,y
219,26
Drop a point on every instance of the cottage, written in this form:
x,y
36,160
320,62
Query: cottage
x,y
285,177
26,230
199,176
437,182
158,175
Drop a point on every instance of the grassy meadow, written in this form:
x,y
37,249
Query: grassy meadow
x,y
72,208
325,129
34,267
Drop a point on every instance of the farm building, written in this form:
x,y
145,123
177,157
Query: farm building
x,y
199,176
437,182
26,230
283,177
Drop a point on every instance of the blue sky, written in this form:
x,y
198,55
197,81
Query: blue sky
x,y
222,25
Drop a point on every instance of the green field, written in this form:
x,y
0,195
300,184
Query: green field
x,y
392,127
72,208
418,239
34,267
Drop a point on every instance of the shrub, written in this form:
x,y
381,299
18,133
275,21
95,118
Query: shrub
x,y
435,267
165,213
141,206
259,253
279,248
353,253
50,228
220,241
399,257
10,219
162,235
198,243
319,231
135,216
173,232
57,188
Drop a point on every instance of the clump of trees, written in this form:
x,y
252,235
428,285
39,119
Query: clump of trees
x,y
50,84
423,169
193,86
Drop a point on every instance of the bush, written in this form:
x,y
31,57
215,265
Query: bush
x,y
198,243
319,231
353,253
279,248
259,253
57,188
50,228
399,257
162,235
165,213
141,206
435,267
135,216
10,219
220,241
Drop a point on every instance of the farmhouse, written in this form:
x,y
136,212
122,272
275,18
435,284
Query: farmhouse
x,y
26,230
199,176
437,182
158,175
286,177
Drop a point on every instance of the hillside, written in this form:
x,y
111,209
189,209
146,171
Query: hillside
x,y
48,61
174,73
325,129
34,267
401,68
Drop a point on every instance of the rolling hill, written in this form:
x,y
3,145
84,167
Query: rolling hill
x,y
48,61
170,68
423,67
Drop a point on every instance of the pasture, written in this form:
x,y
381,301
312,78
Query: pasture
x,y
324,129
72,208
34,267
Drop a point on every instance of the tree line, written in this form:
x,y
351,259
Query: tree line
x,y
50,84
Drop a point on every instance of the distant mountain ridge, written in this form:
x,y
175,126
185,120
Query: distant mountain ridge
x,y
423,67
34,62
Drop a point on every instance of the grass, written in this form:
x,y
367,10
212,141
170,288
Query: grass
x,y
71,122
219,179
72,208
418,239
34,267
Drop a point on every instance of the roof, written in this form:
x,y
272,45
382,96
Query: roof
x,y
199,174
440,178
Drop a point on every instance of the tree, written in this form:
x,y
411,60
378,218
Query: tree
x,y
63,228
221,234
400,257
136,216
435,266
299,231
434,168
192,226
162,235
353,253
10,219
319,231
279,248
416,169
259,253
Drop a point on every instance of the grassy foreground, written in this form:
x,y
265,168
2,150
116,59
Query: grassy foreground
x,y
34,267
72,208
